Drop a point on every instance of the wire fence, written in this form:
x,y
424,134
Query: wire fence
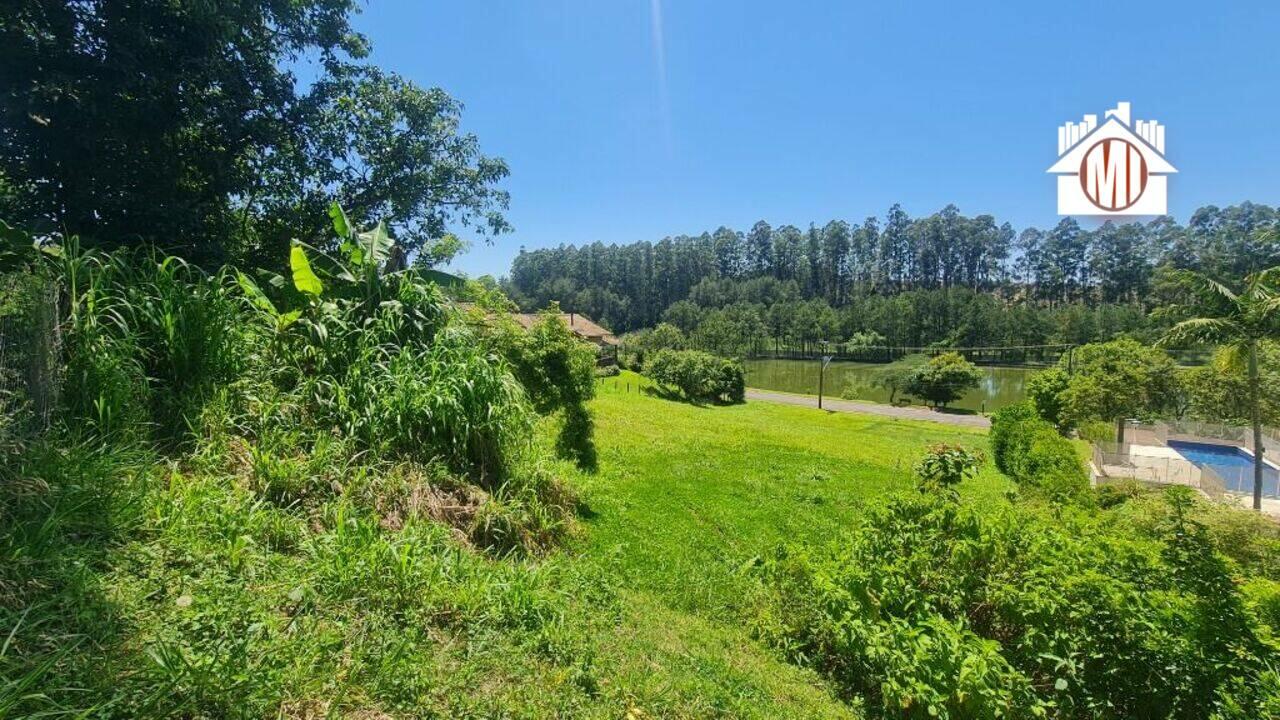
x,y
30,348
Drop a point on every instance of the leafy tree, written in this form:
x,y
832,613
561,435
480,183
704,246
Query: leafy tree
x,y
182,125
698,376
1239,323
944,379
1117,380
1220,390
896,377
1045,390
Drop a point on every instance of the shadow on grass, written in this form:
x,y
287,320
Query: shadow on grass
x,y
66,505
954,411
673,395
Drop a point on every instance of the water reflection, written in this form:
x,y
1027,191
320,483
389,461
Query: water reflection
x,y
1000,386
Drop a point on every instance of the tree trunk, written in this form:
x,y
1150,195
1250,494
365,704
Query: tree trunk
x,y
1120,431
1256,412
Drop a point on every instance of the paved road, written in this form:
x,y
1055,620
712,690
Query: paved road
x,y
853,406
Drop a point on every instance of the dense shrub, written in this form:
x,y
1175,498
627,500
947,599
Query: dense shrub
x,y
1033,453
931,609
343,349
638,345
698,376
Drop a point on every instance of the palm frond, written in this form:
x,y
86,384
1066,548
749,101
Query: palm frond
x,y
1203,329
1232,357
1218,288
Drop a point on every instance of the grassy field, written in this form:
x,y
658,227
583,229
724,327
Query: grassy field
x,y
687,496
134,587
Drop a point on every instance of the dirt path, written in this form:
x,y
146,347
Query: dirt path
x,y
854,406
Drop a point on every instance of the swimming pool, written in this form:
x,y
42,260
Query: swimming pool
x,y
1232,464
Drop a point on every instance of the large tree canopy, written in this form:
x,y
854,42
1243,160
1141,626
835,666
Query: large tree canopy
x,y
183,124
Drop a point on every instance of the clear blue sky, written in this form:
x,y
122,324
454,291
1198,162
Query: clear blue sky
x,y
628,120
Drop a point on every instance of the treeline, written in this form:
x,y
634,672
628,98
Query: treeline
x,y
945,278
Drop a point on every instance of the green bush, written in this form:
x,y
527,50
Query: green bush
x,y
698,376
945,466
638,345
931,609
1032,452
1007,426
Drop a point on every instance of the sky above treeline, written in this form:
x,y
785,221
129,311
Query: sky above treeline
x,y
633,120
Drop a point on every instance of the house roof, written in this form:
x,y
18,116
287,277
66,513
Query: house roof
x,y
1069,162
581,325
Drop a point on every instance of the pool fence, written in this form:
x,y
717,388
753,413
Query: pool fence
x,y
1146,456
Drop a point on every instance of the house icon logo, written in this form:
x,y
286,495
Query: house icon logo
x,y
1116,168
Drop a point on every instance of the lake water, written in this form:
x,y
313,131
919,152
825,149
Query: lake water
x,y
1000,386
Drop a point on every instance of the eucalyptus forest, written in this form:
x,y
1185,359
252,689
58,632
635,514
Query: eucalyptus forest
x,y
941,279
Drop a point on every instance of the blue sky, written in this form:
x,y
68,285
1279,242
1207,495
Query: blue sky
x,y
628,120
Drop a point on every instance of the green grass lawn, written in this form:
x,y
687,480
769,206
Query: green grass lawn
x,y
687,496
136,587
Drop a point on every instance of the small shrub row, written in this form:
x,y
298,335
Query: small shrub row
x,y
697,375
1030,450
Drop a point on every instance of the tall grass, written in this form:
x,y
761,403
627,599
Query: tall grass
x,y
257,489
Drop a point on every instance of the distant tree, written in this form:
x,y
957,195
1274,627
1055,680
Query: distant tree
x,y
684,315
896,377
760,249
1239,323
866,338
944,379
1117,380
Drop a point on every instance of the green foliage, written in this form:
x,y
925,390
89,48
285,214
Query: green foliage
x,y
945,466
1033,453
896,377
698,376
1221,392
866,338
930,609
638,345
240,157
558,372
944,379
1045,391
1097,431
1118,379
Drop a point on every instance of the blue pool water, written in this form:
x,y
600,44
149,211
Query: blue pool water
x,y
1232,464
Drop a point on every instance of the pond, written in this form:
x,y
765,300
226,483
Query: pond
x,y
1000,386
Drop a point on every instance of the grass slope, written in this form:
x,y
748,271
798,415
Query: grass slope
x,y
686,496
141,588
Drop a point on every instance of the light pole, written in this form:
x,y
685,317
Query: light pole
x,y
822,371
